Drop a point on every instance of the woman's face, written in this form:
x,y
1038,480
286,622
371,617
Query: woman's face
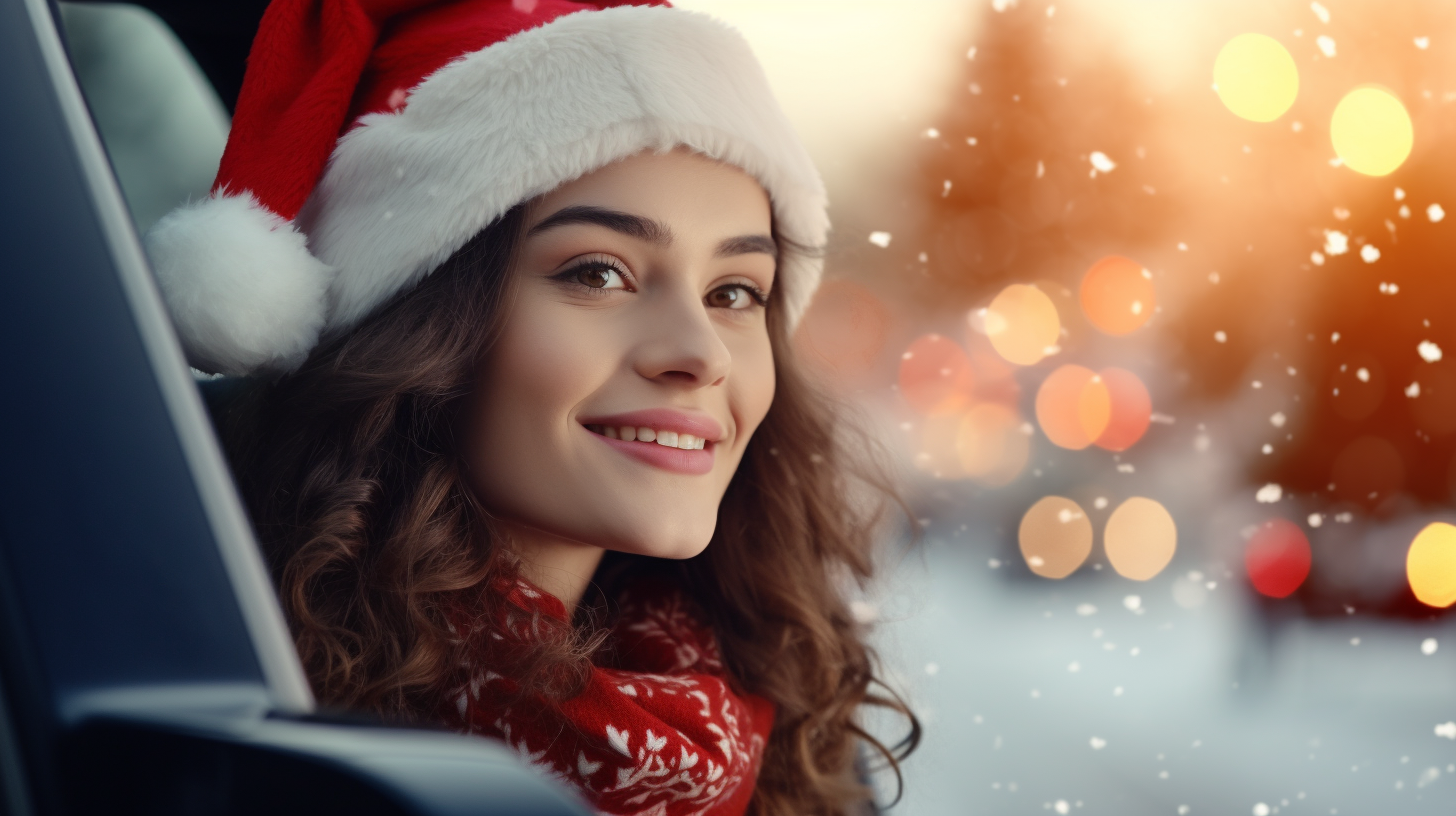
x,y
634,363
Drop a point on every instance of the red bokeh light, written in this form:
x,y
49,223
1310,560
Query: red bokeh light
x,y
1278,558
1132,410
935,376
845,328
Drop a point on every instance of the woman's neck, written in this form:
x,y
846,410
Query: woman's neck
x,y
558,565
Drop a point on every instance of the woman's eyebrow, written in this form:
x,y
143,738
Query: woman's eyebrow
x,y
746,244
635,226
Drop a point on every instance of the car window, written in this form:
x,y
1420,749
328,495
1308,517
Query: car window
x,y
162,123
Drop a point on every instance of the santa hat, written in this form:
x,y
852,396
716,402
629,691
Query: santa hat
x,y
451,113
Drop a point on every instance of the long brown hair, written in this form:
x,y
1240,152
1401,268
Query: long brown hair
x,y
350,467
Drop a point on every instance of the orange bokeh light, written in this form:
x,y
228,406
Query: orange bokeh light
x,y
1118,295
935,376
1055,537
1132,410
1073,407
993,449
1022,324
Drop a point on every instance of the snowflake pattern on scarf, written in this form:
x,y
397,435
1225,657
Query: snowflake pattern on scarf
x,y
659,733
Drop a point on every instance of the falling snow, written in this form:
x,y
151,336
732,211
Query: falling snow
x,y
880,239
1435,213
1269,494
1101,163
1423,43
1413,390
1098,743
1429,646
1369,253
1326,44
1430,352
1336,242
1447,730
1277,419
1321,12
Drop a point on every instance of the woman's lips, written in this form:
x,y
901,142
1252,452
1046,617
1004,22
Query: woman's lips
x,y
673,440
673,460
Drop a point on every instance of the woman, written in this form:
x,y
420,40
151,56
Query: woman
x,y
529,454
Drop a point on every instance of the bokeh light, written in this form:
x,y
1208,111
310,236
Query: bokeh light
x,y
1256,77
1073,407
1371,131
938,453
935,376
1277,558
1140,538
1055,537
1430,565
1131,409
991,445
1022,324
845,328
1118,295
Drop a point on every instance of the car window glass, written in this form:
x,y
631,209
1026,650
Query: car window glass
x,y
162,124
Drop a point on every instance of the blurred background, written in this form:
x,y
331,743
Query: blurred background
x,y
1155,305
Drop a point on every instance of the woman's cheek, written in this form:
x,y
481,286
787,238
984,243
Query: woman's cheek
x,y
754,373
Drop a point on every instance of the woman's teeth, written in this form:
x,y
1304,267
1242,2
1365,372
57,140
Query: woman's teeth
x,y
667,439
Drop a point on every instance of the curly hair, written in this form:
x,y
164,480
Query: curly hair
x,y
351,469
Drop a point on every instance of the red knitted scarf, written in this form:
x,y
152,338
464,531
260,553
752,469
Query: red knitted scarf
x,y
659,733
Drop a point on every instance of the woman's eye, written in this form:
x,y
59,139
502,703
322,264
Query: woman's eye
x,y
736,296
597,275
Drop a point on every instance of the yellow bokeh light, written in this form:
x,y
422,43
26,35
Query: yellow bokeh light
x,y
1022,324
1430,565
1140,538
1371,131
1055,537
939,454
992,447
1255,77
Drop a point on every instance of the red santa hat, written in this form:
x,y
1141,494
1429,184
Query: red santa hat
x,y
451,113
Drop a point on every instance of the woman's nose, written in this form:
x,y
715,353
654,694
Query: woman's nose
x,y
679,343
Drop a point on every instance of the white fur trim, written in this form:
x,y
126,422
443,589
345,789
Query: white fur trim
x,y
515,120
243,290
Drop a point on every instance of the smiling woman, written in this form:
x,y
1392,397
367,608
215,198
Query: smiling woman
x,y
639,313
527,446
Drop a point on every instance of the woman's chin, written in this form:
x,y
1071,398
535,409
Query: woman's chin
x,y
671,548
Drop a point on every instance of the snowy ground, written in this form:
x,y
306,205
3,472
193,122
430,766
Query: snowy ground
x,y
1058,697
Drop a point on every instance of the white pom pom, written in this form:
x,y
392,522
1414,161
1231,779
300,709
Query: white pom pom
x,y
245,293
